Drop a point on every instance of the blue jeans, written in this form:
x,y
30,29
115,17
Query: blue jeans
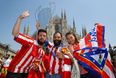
x,y
52,76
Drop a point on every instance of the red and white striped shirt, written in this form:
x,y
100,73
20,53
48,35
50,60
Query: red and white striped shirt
x,y
25,56
66,67
55,62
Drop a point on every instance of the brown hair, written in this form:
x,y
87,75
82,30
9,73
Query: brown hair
x,y
58,32
68,33
42,30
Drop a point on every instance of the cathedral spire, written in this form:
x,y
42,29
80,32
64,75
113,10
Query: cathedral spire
x,y
65,15
73,23
74,28
84,31
28,29
61,14
24,30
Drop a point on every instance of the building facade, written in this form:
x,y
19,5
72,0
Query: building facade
x,y
59,24
5,49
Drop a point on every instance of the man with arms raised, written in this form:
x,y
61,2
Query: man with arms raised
x,y
23,61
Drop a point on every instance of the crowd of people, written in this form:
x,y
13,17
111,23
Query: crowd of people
x,y
4,64
39,58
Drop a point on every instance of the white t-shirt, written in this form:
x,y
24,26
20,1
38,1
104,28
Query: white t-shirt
x,y
6,63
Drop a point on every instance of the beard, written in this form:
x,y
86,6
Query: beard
x,y
40,43
57,42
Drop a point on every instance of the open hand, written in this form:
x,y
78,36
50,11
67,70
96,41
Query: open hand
x,y
24,15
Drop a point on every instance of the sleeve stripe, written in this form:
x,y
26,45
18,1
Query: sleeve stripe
x,y
24,38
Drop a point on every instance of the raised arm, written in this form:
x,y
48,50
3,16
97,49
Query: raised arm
x,y
16,27
37,25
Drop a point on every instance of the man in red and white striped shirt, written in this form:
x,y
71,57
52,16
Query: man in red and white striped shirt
x,y
24,58
55,64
